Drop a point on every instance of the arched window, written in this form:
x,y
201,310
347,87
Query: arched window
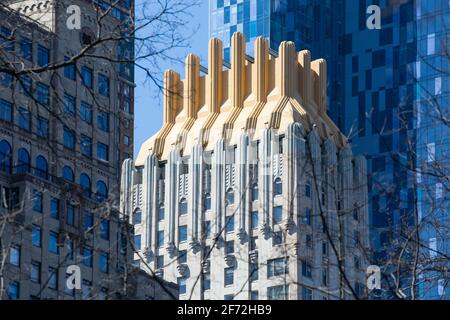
x,y
41,167
85,183
207,202
102,191
229,197
277,187
255,192
68,174
23,161
183,207
5,156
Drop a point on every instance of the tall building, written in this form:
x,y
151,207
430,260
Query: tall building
x,y
249,187
388,91
64,133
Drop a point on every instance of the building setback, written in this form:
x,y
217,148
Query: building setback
x,y
249,190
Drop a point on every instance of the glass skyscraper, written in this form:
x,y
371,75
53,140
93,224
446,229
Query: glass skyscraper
x,y
388,91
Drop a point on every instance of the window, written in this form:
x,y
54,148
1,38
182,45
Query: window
x,y
88,221
255,192
229,197
43,94
183,207
86,289
52,278
14,255
35,272
5,110
207,202
160,238
137,216
86,112
229,276
68,174
161,212
69,104
70,214
229,247
254,295
182,233
53,243
254,271
126,140
308,216
324,248
355,213
207,229
306,293
6,80
277,267
253,241
41,167
206,281
37,201
5,156
325,277
181,285
431,152
86,145
42,128
137,242
25,85
36,236
23,163
277,187
5,39
69,138
229,224
43,56
13,290
309,243
54,208
160,262
104,262
254,220
88,257
306,269
70,248
277,214
102,191
24,119
26,49
103,120
102,151
308,189
104,229
103,85
278,292
357,262
182,256
69,70
85,183
277,238
86,77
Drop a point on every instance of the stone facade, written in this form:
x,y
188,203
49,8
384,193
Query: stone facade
x,y
249,189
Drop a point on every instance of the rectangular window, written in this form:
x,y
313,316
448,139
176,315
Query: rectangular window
x,y
36,236
160,238
229,276
431,152
88,258
43,94
5,110
14,255
5,39
278,292
24,119
181,285
69,138
6,80
13,290
43,56
253,241
54,208
70,214
277,214
206,281
306,293
42,127
53,242
86,112
254,271
70,248
35,272
69,104
37,201
104,229
102,152
103,262
103,120
277,267
86,145
254,295
69,70
182,233
103,85
137,242
182,256
308,216
160,262
86,77
26,49
88,221
306,269
254,220
230,224
277,238
25,87
229,247
207,228
52,278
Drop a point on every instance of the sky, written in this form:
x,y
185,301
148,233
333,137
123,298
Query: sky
x,y
148,110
